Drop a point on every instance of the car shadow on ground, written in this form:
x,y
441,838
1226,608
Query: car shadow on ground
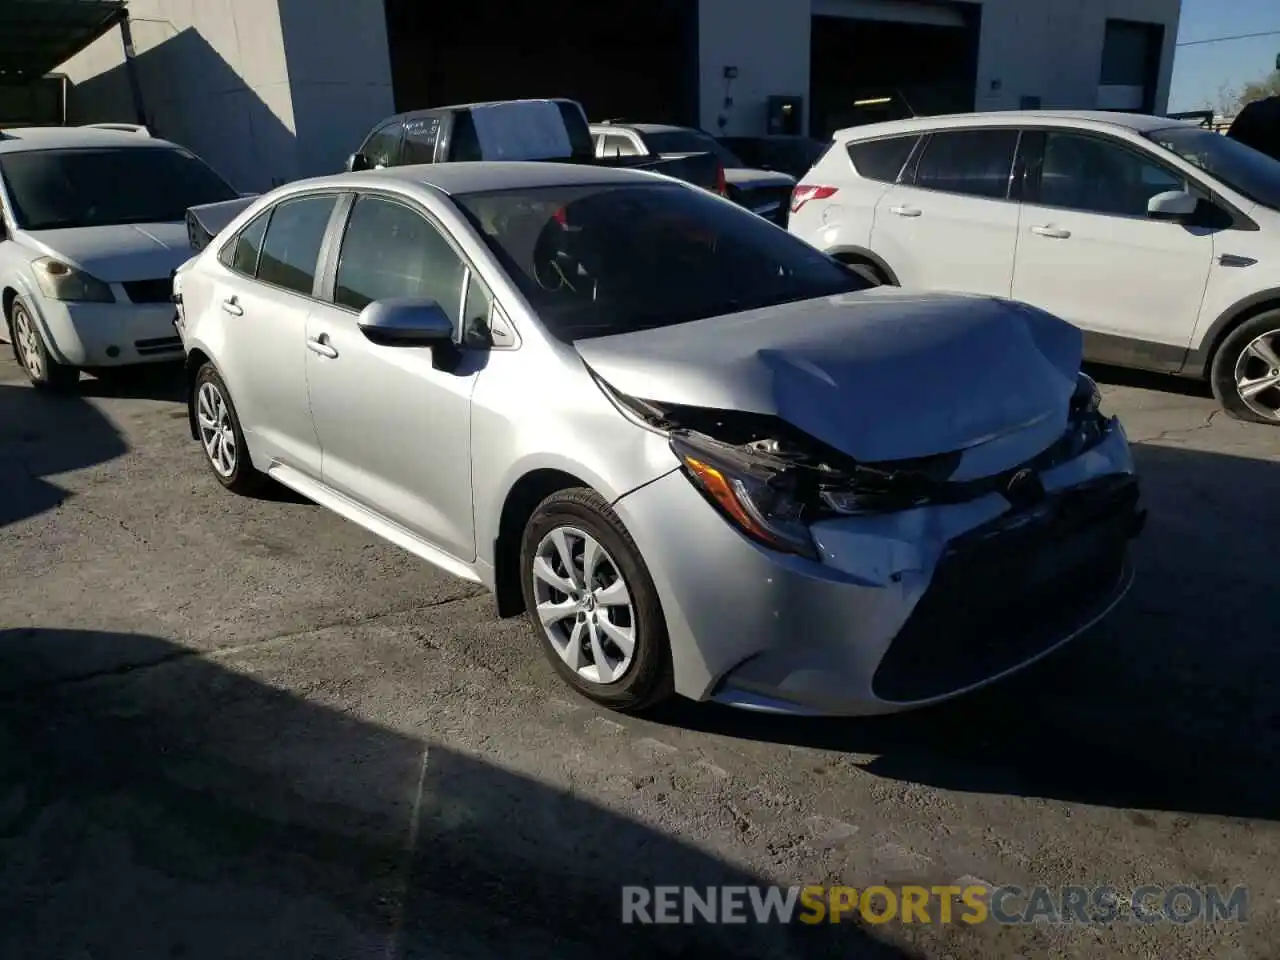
x,y
1145,380
1171,704
43,435
171,807
161,381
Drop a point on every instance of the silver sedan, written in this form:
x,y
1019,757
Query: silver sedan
x,y
704,458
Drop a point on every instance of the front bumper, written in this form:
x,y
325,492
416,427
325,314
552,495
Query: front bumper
x,y
108,334
905,610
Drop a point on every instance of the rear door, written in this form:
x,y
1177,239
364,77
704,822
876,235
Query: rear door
x,y
952,222
1088,251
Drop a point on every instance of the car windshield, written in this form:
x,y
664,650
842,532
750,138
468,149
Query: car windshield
x,y
600,260
692,141
100,187
1243,169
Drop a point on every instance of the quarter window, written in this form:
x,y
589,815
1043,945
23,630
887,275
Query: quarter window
x,y
977,163
881,160
391,251
241,254
292,245
1098,176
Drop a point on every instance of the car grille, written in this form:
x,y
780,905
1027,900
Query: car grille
x,y
149,291
772,203
148,348
1008,592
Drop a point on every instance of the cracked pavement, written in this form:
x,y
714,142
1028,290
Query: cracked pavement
x,y
237,727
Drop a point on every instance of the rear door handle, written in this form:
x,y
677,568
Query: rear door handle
x,y
905,211
232,306
1053,233
322,346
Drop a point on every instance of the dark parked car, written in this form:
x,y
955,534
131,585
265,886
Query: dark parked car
x,y
794,156
1258,126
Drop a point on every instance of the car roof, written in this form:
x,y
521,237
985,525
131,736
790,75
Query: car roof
x,y
1096,119
647,127
24,139
436,111
483,176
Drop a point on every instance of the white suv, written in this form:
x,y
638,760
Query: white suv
x,y
92,226
1159,239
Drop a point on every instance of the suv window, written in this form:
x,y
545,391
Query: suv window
x,y
420,141
1099,176
977,163
390,251
292,246
241,254
881,160
383,146
618,145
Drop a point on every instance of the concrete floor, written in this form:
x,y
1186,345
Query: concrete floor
x,y
234,728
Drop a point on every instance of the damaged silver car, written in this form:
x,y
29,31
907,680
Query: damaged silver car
x,y
705,458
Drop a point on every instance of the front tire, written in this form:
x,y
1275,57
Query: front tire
x,y
33,355
1246,370
218,428
591,600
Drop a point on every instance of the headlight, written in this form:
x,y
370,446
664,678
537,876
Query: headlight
x,y
59,281
751,491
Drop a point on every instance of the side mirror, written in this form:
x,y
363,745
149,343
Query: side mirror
x,y
406,322
358,161
1172,205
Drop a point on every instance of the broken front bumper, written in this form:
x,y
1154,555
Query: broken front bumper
x,y
904,610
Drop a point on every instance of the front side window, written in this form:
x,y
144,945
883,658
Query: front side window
x,y
382,149
241,254
881,160
976,163
102,187
597,260
1242,168
391,251
292,245
1099,176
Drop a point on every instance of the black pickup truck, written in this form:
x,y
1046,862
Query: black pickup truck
x,y
555,129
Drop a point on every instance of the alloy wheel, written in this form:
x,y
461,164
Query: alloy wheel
x,y
1258,376
584,605
217,432
29,347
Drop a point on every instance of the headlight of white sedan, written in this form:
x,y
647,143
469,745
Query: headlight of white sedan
x,y
60,281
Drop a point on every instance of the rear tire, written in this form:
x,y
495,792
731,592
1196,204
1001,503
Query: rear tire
x,y
608,602
218,428
1245,375
34,356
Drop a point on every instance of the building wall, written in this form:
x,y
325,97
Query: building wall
x,y
1051,49
265,91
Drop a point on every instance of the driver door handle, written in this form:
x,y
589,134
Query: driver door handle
x,y
232,306
1053,233
322,346
905,211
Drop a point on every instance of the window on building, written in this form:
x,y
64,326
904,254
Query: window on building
x,y
976,163
1099,176
292,245
392,251
881,160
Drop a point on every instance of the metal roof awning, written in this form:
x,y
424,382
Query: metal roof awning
x,y
36,36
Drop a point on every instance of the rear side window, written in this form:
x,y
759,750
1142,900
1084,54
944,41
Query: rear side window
x,y
420,140
881,160
241,254
977,163
292,245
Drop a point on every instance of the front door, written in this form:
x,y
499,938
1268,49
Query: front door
x,y
1088,252
395,422
952,225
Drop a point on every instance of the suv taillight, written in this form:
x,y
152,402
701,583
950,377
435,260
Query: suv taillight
x,y
804,192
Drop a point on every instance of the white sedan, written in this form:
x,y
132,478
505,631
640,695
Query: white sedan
x,y
93,228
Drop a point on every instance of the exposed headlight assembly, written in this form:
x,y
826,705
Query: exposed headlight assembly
x,y
60,281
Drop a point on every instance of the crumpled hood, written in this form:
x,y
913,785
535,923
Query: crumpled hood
x,y
745,179
135,251
882,375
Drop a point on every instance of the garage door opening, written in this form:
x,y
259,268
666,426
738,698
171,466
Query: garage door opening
x,y
633,59
870,70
